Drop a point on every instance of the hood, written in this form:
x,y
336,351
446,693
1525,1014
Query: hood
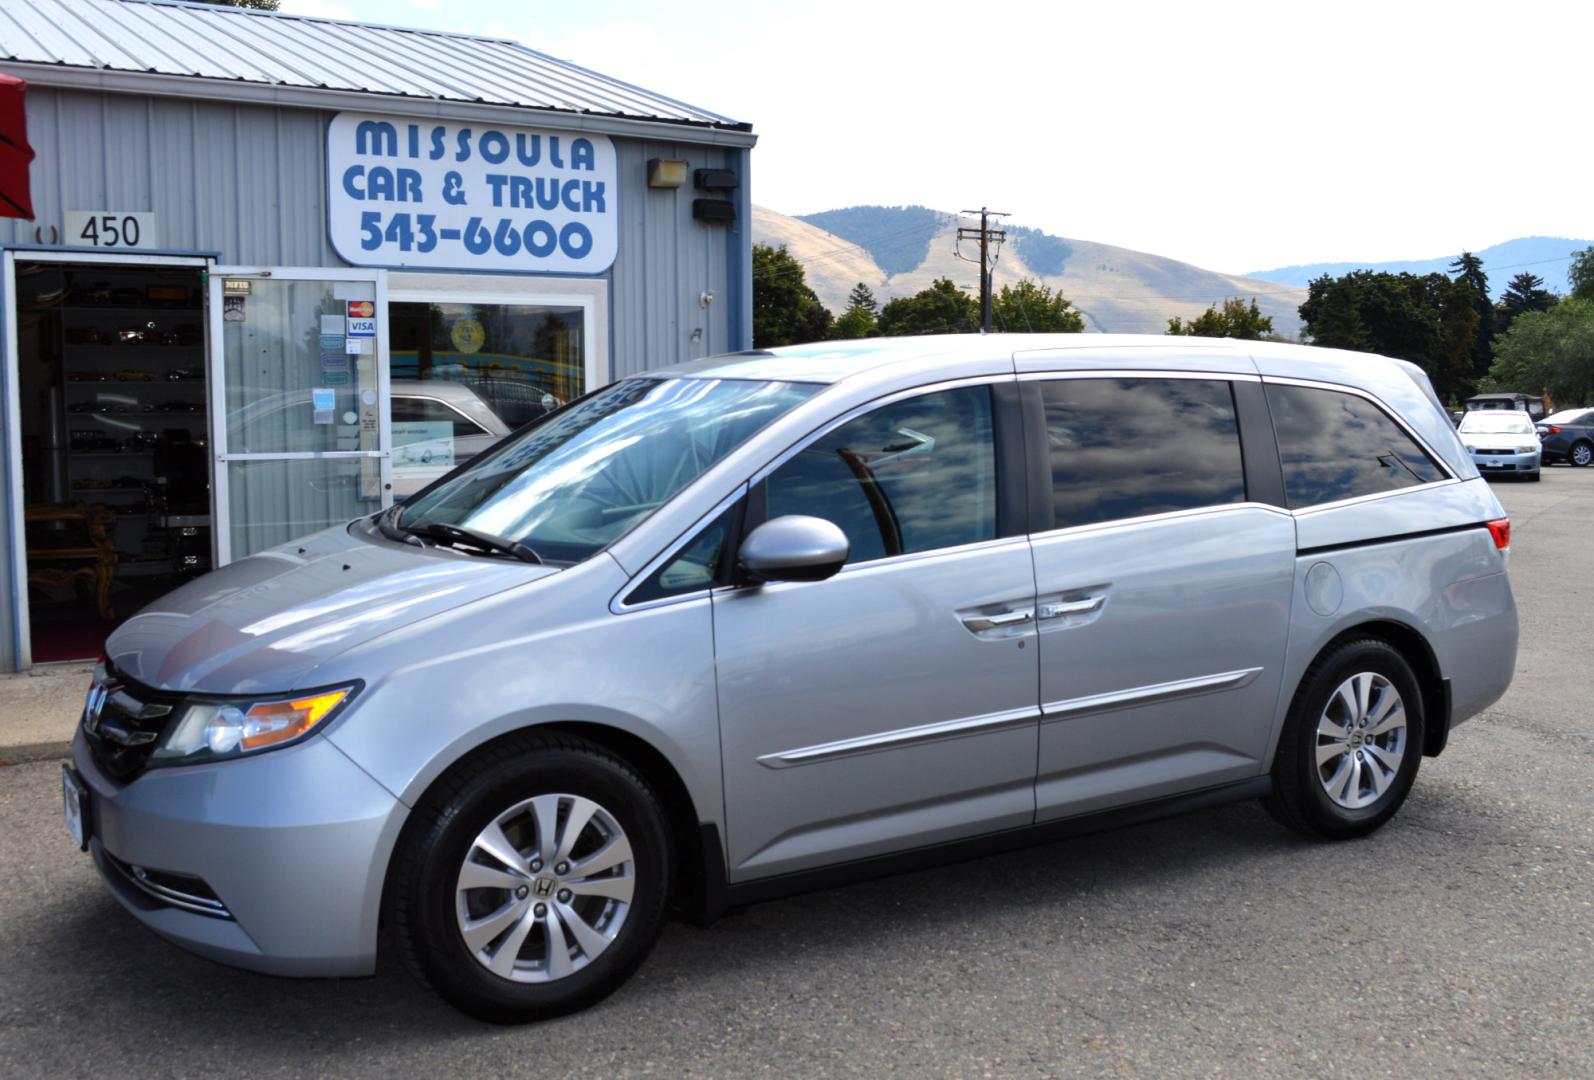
x,y
1498,442
265,623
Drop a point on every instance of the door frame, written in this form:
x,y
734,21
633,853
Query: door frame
x,y
215,331
11,385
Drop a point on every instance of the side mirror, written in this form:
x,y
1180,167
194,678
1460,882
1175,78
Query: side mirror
x,y
793,548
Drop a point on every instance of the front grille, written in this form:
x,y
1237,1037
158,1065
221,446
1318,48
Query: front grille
x,y
1482,451
122,722
173,890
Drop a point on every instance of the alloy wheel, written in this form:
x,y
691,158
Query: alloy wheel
x,y
1361,740
545,888
1582,454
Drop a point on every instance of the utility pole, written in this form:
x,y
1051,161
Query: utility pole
x,y
987,236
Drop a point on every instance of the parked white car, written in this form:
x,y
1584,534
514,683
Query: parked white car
x,y
1502,442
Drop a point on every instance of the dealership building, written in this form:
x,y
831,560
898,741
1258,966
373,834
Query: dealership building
x,y
268,273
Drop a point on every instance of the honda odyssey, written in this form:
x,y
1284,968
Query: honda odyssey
x,y
778,620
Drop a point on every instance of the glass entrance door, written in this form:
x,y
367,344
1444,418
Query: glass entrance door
x,y
300,394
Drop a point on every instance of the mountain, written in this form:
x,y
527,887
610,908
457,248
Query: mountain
x,y
898,250
1546,256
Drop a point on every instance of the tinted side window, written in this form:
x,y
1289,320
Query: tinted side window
x,y
429,410
1124,448
910,476
695,567
1339,446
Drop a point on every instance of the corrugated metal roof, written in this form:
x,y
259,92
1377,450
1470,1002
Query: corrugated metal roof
x,y
211,42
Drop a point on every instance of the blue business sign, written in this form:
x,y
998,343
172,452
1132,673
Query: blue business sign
x,y
470,196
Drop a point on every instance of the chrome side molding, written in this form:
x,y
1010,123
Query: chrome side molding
x,y
901,737
1145,695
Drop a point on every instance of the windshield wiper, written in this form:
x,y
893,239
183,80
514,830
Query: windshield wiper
x,y
386,523
459,536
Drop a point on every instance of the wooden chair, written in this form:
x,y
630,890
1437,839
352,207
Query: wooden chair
x,y
70,543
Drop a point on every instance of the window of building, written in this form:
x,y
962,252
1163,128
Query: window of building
x,y
911,476
464,375
1123,448
421,410
1337,446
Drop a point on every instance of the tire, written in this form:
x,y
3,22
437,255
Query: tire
x,y
1372,786
1534,477
1580,454
494,818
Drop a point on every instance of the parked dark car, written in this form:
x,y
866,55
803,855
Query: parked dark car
x,y
1568,436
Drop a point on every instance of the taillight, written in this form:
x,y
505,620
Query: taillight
x,y
1501,531
1552,430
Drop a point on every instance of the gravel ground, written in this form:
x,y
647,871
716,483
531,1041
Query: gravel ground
x,y
1457,941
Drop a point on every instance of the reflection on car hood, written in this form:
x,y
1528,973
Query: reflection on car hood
x,y
1498,442
265,623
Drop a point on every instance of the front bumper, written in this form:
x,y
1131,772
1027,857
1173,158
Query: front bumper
x,y
293,845
1489,462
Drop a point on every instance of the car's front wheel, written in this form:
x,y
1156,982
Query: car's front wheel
x,y
1580,455
1351,743
532,880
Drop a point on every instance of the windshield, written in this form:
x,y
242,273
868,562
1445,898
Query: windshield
x,y
580,480
1496,423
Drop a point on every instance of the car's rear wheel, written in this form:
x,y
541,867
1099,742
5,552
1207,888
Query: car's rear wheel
x,y
1351,743
532,881
1580,454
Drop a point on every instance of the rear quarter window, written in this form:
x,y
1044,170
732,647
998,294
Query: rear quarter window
x,y
1336,446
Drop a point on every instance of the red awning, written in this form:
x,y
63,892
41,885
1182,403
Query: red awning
x,y
15,153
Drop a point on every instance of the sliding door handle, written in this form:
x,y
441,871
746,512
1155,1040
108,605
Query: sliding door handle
x,y
981,623
1058,609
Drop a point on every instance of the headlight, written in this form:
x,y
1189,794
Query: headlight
x,y
1526,449
218,730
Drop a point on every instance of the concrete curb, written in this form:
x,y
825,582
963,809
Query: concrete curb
x,y
44,751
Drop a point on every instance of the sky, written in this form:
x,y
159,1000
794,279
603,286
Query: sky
x,y
1234,135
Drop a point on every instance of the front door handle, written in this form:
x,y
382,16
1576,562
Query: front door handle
x,y
980,623
1060,608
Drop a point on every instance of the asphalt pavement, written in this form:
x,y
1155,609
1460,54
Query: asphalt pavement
x,y
1456,941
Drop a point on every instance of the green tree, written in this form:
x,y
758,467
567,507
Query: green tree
x,y
1525,293
1233,320
1549,352
1467,270
1451,360
943,308
785,310
1029,307
859,320
1581,273
1421,318
1332,314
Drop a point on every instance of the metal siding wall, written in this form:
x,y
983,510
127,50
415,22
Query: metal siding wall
x,y
667,261
244,180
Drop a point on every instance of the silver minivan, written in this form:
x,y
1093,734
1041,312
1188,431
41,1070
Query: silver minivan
x,y
778,620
